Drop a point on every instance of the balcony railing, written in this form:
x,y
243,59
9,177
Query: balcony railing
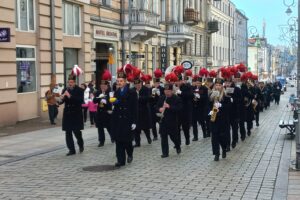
x,y
143,17
191,15
213,26
179,28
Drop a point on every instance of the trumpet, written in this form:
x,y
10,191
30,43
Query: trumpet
x,y
213,116
161,115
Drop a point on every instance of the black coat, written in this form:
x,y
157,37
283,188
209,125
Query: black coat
x,y
103,117
222,125
200,106
235,106
144,112
124,114
186,96
248,96
153,101
169,121
72,115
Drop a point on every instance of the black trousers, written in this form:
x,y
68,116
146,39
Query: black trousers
x,y
137,135
165,141
93,117
121,149
249,125
208,128
53,112
70,141
195,127
257,117
186,131
153,126
101,134
84,111
242,129
234,123
218,139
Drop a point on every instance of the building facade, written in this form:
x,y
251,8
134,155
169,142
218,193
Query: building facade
x,y
240,38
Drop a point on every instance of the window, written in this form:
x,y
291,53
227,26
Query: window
x,y
200,45
26,73
163,11
105,2
25,20
71,19
70,59
153,58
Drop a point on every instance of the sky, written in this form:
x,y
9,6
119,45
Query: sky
x,y
273,11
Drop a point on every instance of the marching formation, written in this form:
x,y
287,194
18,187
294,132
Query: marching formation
x,y
224,103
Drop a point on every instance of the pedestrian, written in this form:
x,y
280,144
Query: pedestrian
x,y
86,99
73,97
104,111
124,116
219,117
156,91
277,92
144,112
168,108
92,108
51,96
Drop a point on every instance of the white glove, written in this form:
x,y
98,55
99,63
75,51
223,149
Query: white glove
x,y
197,90
133,126
197,95
218,105
111,94
153,91
231,99
101,96
103,101
210,113
109,112
158,93
178,91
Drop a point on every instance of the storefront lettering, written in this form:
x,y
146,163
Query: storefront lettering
x,y
106,34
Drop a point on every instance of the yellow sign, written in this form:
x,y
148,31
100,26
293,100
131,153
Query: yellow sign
x,y
111,59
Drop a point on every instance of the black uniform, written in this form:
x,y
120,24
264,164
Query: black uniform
x,y
185,115
123,116
248,96
72,117
200,110
207,119
259,99
234,118
144,116
103,118
153,101
169,122
220,127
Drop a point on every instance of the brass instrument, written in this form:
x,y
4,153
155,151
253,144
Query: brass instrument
x,y
161,115
213,116
254,104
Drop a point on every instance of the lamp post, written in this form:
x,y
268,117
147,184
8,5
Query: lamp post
x,y
252,31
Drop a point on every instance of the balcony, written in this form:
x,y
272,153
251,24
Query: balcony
x,y
191,16
144,24
178,34
213,26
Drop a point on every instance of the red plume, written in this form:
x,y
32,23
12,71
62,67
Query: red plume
x,y
178,69
195,77
241,67
149,77
130,78
106,76
226,73
136,72
244,77
171,77
233,70
128,68
188,72
212,74
203,72
158,73
254,77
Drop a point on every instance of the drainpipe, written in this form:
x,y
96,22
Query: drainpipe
x,y
53,56
122,32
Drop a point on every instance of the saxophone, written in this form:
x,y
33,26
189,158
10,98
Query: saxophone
x,y
215,110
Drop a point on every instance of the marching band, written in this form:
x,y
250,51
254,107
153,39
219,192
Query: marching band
x,y
221,102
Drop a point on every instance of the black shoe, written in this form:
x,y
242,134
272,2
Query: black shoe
x,y
233,145
224,154
100,144
155,139
187,142
81,149
208,135
243,138
70,153
53,123
119,164
257,124
216,158
149,140
195,139
129,159
137,145
164,156
178,150
249,133
227,148
112,141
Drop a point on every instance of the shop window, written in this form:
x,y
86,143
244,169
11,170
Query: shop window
x,y
26,70
71,19
25,12
70,59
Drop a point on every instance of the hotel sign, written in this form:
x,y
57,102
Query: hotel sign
x,y
106,34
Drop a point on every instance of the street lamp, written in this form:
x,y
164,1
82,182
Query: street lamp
x,y
252,31
289,10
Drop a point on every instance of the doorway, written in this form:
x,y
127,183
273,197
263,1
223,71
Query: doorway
x,y
102,56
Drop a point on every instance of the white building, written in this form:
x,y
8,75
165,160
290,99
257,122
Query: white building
x,y
241,37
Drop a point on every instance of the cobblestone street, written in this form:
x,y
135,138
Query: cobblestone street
x,y
250,170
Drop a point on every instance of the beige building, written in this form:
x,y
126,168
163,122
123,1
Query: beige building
x,y
48,37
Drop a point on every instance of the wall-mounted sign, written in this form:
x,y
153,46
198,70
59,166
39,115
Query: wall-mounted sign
x,y
135,56
106,33
187,64
4,34
163,58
